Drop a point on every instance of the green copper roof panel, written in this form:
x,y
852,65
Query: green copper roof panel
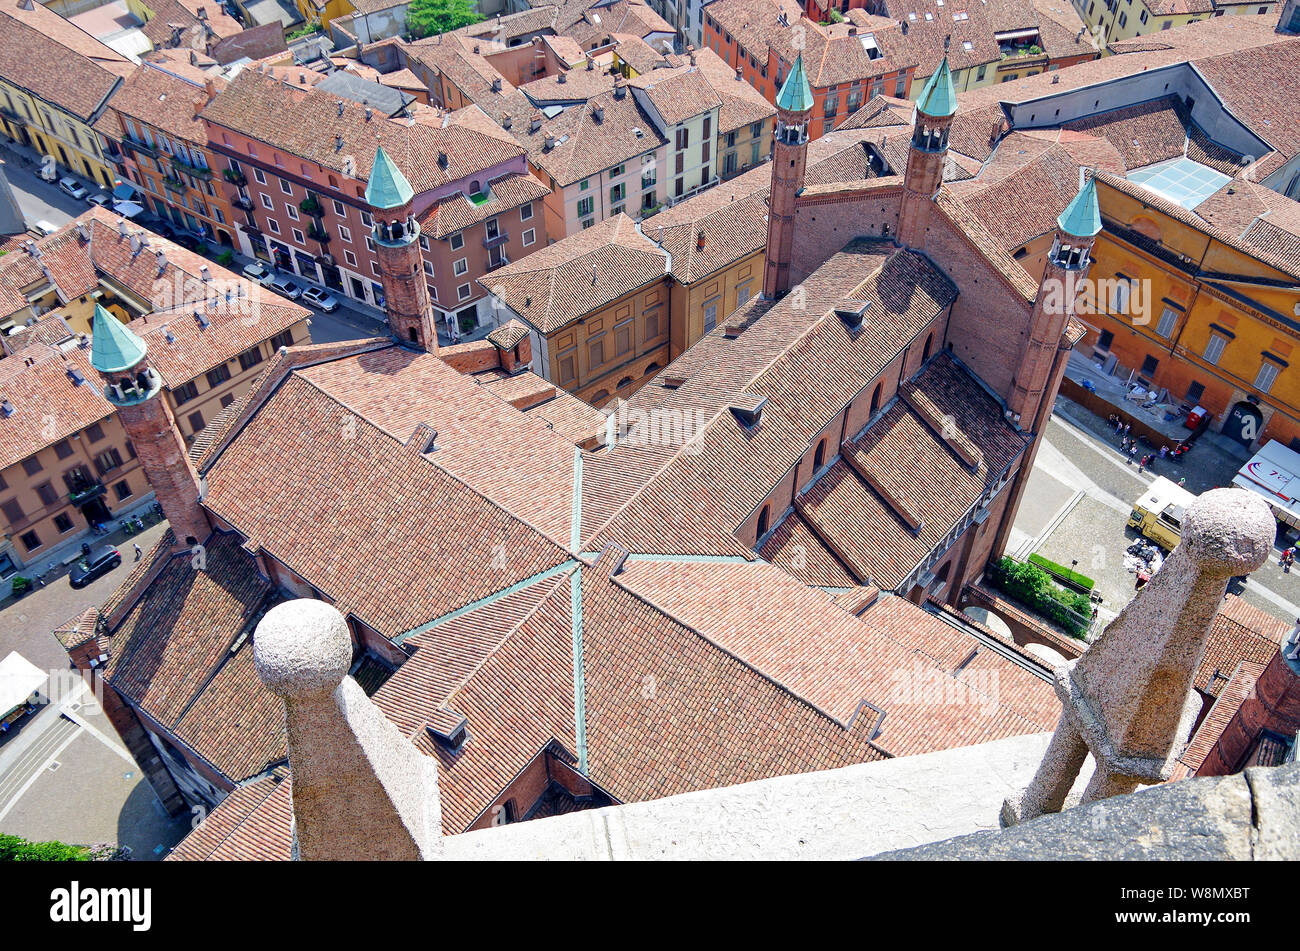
x,y
388,187
1081,217
796,94
939,97
114,347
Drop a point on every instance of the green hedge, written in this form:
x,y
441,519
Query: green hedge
x,y
16,849
1034,587
1067,576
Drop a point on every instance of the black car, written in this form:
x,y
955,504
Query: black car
x,y
95,565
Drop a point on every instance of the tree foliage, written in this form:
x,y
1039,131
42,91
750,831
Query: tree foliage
x,y
16,849
430,17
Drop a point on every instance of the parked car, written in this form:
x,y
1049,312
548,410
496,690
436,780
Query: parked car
x,y
70,186
321,300
258,272
101,199
95,565
44,227
285,286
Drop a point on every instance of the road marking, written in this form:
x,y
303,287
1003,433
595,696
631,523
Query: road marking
x,y
7,804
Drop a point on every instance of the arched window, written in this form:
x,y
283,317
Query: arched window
x,y
819,457
875,397
652,369
600,398
412,334
929,341
626,381
762,520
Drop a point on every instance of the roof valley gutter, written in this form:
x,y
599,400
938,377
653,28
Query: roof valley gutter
x,y
575,530
579,680
991,642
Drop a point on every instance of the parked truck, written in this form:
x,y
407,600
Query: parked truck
x,y
1158,512
1274,474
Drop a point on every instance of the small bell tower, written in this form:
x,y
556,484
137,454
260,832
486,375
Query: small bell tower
x,y
396,235
135,389
925,156
789,157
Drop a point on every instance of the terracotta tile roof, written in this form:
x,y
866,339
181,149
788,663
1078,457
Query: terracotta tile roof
x,y
59,74
508,672
901,470
557,284
48,405
1232,693
571,418
304,442
742,104
711,719
78,629
177,638
577,85
718,479
581,145
395,390
1240,632
196,33
837,661
304,122
1020,192
508,334
677,95
591,23
164,101
793,546
457,212
235,723
224,820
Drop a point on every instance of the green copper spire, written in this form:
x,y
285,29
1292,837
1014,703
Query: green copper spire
x,y
114,347
388,187
796,94
939,98
1082,218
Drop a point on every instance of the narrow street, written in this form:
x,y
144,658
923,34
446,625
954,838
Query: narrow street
x,y
1079,498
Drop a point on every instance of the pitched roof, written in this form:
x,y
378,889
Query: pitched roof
x,y
305,123
386,186
62,75
1240,632
372,482
114,347
938,97
557,284
795,94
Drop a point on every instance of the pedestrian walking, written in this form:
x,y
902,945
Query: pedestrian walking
x,y
1132,452
1164,451
1126,428
139,552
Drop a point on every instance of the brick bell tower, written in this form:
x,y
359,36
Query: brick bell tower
x,y
925,156
135,389
789,157
396,234
1067,266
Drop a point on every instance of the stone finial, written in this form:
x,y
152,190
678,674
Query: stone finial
x,y
361,790
1128,700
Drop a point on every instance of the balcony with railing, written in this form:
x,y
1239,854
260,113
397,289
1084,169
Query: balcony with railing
x,y
495,240
197,171
234,177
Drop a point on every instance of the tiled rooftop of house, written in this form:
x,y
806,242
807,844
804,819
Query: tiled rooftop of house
x,y
556,285
336,134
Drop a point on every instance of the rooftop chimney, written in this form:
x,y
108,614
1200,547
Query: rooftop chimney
x,y
340,107
550,143
535,122
739,75
598,113
369,112
161,259
338,143
496,84
562,78
690,53
591,64
699,240
507,121
210,88
619,89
